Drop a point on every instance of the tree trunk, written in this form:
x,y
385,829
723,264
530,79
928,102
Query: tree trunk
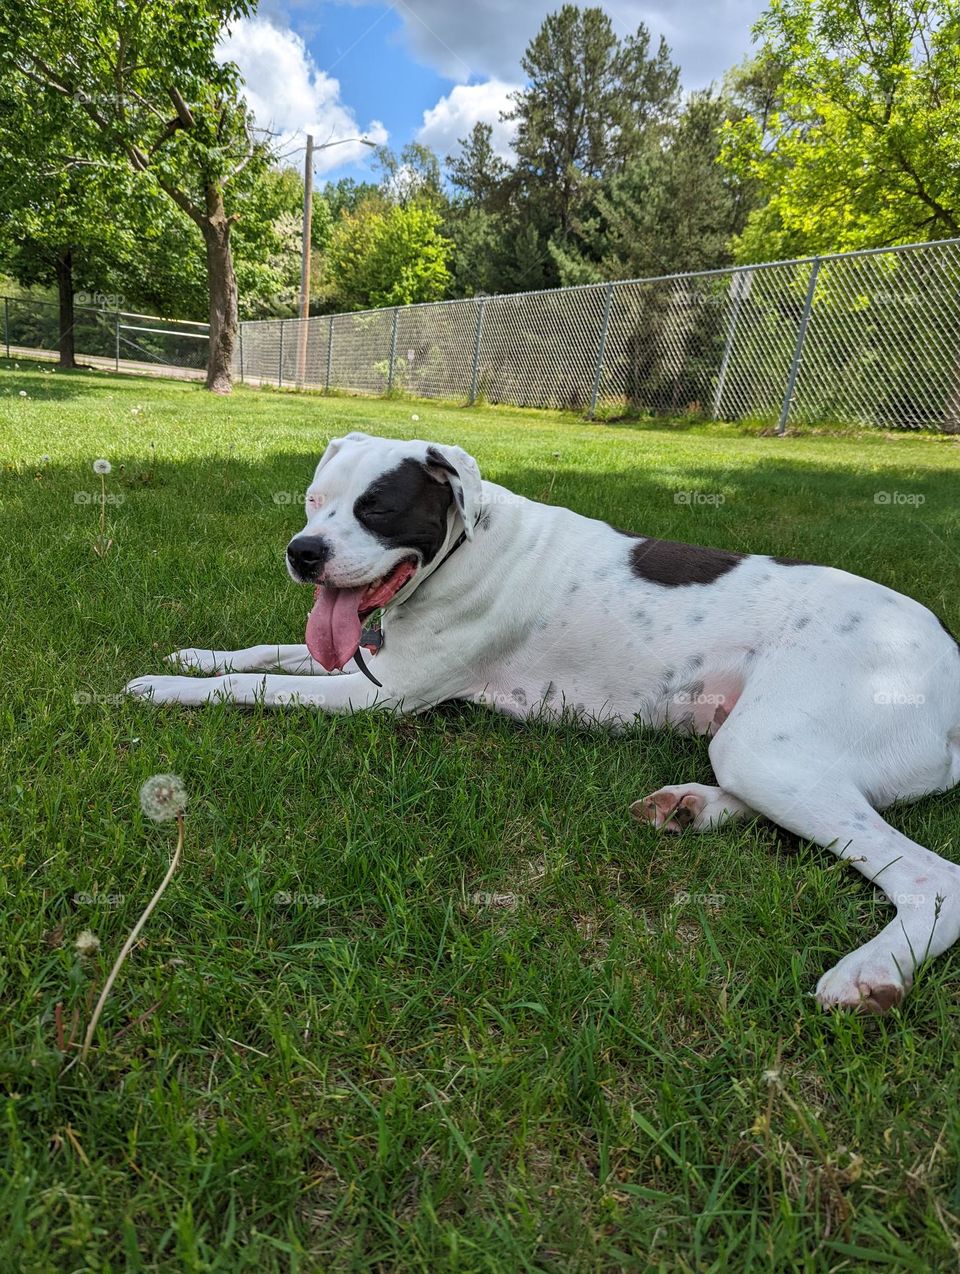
x,y
65,296
222,285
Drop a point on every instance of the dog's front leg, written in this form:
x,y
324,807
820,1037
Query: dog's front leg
x,y
350,692
267,657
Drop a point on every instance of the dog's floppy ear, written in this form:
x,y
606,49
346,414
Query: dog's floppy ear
x,y
334,445
462,472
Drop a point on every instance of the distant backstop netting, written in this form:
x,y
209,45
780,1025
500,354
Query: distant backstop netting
x,y
863,338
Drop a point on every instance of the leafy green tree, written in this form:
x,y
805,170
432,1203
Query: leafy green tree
x,y
670,209
146,81
385,254
413,176
860,149
477,171
591,103
56,213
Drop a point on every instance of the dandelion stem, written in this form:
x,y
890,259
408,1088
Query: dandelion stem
x,y
134,934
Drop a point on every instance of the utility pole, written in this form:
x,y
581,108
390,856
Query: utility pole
x,y
305,261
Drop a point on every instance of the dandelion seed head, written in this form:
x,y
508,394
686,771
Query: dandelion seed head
x,y
102,466
163,797
87,943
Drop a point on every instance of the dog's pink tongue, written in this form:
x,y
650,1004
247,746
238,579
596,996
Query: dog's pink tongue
x,y
333,626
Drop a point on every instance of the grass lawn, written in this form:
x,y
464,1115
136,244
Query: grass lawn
x,y
421,995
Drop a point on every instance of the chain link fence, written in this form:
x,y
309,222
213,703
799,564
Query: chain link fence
x,y
862,338
105,336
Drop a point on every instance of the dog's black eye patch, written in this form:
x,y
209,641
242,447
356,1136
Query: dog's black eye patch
x,y
406,509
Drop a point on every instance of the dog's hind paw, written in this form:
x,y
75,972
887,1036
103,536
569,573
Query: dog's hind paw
x,y
864,985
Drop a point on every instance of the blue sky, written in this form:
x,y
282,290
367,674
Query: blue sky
x,y
429,69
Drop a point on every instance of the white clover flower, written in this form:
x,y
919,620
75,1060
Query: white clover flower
x,y
163,797
414,416
102,466
24,394
87,944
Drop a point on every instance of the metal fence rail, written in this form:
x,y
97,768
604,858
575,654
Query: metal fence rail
x,y
865,338
118,335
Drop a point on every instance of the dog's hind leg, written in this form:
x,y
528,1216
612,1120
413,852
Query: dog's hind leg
x,y
264,658
808,791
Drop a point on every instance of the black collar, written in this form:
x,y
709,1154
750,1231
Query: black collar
x,y
358,657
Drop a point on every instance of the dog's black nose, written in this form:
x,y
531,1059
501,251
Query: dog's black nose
x,y
308,554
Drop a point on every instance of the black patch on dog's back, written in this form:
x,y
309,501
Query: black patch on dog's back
x,y
673,564
406,509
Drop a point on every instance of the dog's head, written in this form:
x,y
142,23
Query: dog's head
x,y
378,511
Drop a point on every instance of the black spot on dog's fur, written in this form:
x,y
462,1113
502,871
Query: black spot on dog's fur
x,y
850,623
406,509
672,564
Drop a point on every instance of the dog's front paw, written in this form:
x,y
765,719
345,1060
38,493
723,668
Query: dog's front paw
x,y
206,661
167,689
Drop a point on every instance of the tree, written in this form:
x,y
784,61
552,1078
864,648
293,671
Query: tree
x,y
413,176
385,254
147,83
861,150
591,102
477,170
55,211
672,208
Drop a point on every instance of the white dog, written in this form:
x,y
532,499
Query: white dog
x,y
827,696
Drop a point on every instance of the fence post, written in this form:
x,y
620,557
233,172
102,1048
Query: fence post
x,y
6,323
798,351
280,359
117,346
740,284
601,346
241,353
393,348
329,352
478,337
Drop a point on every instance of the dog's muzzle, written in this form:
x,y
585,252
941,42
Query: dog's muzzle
x,y
307,555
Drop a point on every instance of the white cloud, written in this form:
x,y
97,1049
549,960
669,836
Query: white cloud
x,y
472,38
290,95
455,115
